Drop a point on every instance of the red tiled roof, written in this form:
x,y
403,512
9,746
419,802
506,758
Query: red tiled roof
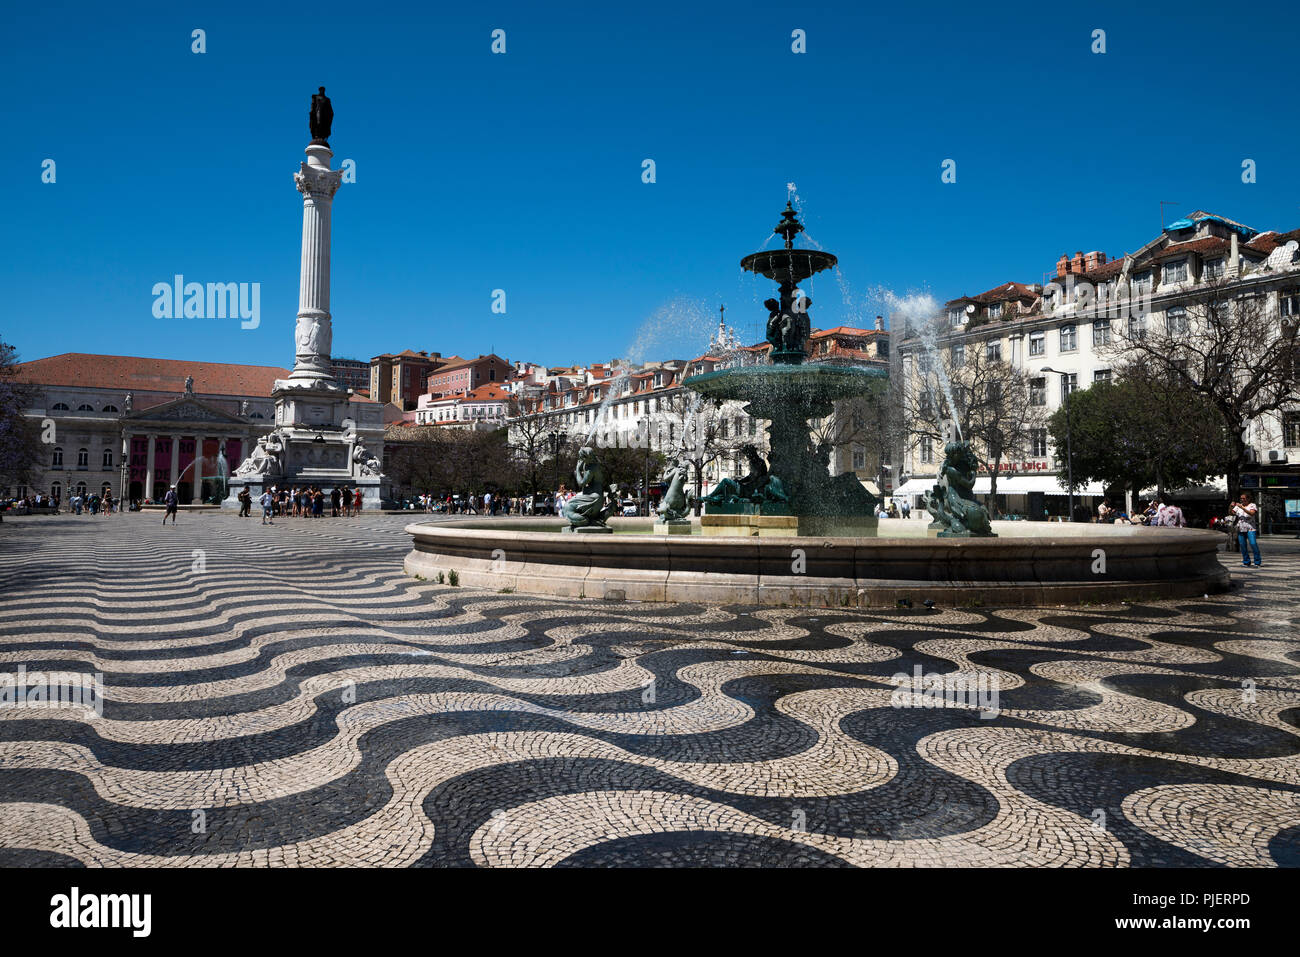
x,y
463,363
1206,245
138,374
847,331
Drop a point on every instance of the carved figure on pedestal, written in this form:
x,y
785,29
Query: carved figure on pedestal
x,y
755,488
265,459
674,505
590,506
312,337
952,501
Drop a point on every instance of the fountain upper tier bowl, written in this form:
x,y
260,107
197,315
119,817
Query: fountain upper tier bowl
x,y
780,382
788,265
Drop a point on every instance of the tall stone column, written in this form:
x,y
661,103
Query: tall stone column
x,y
313,334
176,459
148,470
197,498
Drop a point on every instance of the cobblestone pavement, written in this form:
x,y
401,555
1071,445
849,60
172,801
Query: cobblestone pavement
x,y
284,695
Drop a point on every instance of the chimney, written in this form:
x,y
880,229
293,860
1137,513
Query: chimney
x,y
880,323
1076,264
1234,255
1062,265
1093,260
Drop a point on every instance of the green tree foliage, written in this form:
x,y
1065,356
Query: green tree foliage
x,y
1145,430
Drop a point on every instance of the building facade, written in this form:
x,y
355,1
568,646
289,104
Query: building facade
x,y
135,426
1072,326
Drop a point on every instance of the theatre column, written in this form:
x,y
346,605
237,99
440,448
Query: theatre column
x,y
148,470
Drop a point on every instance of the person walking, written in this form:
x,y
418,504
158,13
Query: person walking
x,y
356,502
268,508
334,502
171,502
1247,514
245,503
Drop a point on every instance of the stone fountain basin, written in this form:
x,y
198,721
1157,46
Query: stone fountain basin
x,y
1032,564
788,265
811,379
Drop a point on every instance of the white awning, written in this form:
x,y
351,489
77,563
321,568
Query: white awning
x,y
1007,485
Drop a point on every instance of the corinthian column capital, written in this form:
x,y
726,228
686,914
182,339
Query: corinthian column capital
x,y
314,181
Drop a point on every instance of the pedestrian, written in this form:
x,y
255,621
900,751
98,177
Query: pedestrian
x,y
1247,514
245,503
356,501
318,504
171,502
334,502
268,508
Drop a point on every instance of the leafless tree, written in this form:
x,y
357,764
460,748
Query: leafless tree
x,y
1226,342
691,428
968,386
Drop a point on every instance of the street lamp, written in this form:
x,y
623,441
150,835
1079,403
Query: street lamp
x,y
1069,454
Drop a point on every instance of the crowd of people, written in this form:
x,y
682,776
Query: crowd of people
x,y
1157,513
304,502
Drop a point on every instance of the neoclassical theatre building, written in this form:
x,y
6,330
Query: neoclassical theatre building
x,y
138,425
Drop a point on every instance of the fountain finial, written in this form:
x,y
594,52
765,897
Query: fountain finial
x,y
789,226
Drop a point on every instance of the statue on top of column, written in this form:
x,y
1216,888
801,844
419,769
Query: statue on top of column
x,y
321,117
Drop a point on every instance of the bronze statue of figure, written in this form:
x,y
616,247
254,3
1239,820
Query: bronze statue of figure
x,y
321,117
952,502
676,500
590,507
757,487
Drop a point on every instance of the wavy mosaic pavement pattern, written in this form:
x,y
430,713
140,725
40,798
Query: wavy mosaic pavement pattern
x,y
286,696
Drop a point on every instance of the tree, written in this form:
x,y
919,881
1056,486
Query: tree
x,y
20,445
529,440
1227,344
990,403
690,428
1141,431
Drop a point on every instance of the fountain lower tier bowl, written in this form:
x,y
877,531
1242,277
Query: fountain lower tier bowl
x,y
784,383
791,266
1030,564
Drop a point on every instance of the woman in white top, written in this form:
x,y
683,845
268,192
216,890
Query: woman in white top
x,y
1247,514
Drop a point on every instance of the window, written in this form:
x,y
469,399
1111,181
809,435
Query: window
x,y
753,426
56,490
1037,344
59,407
859,460
995,311
1176,318
1038,391
1213,268
1069,383
83,458
492,375
886,460
993,351
1176,272
85,408
257,415
109,408
1101,332
927,451
1038,443
1069,338
57,461
1101,375
1288,305
1142,282
1291,430
108,458
955,315
958,356
1137,327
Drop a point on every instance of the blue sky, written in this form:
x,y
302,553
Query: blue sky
x,y
522,171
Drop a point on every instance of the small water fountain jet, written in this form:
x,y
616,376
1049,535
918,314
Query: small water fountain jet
x,y
789,392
